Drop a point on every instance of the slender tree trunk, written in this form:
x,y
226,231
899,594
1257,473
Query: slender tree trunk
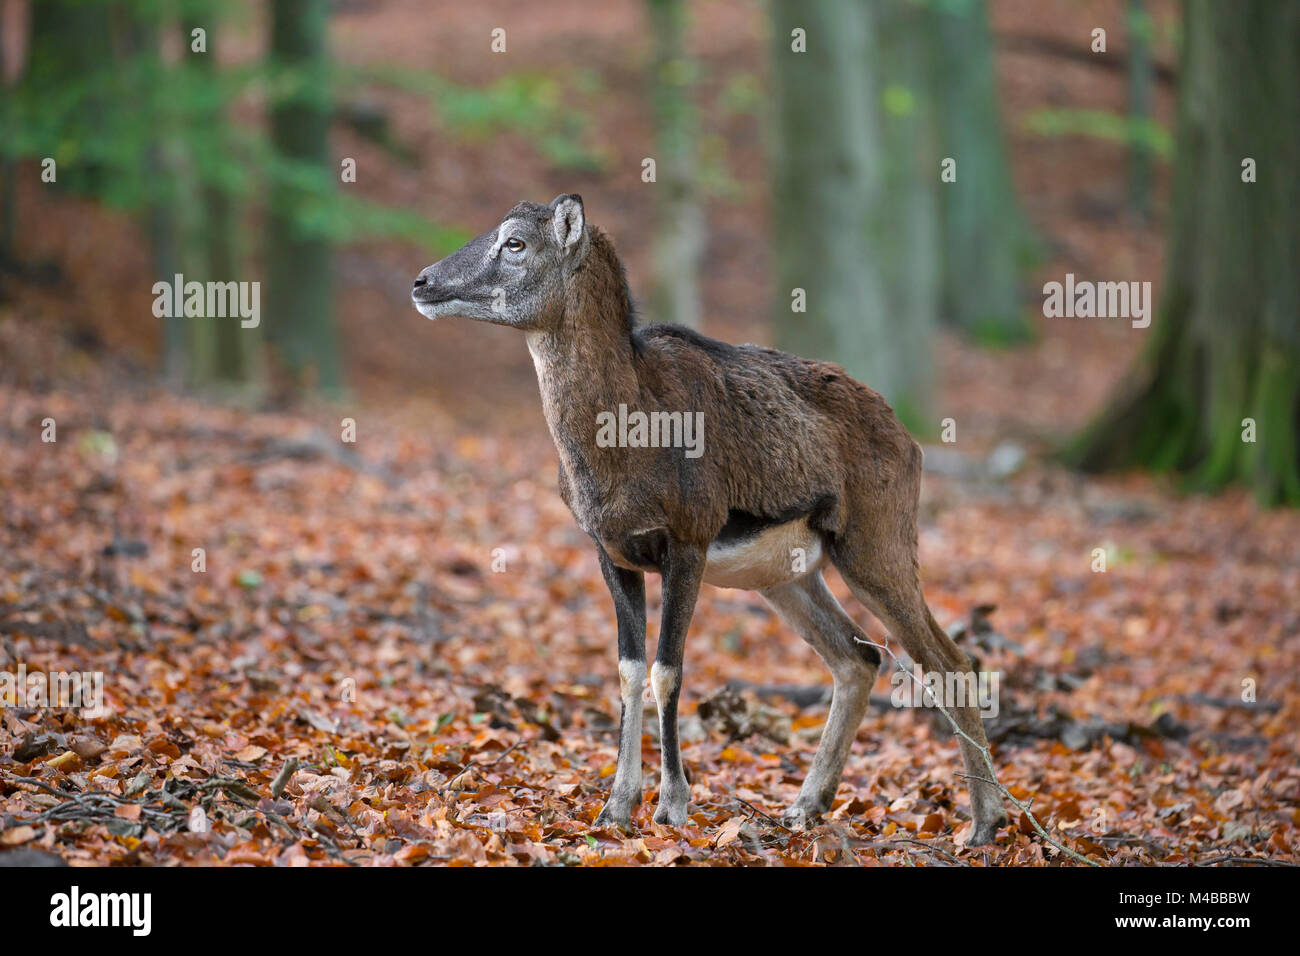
x,y
680,233
300,296
230,350
985,240
12,52
1226,346
1141,81
162,212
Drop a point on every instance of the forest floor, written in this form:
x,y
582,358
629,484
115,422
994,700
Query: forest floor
x,y
416,619
419,622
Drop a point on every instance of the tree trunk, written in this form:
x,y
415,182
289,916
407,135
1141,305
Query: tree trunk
x,y
985,240
827,185
9,73
854,205
1141,81
679,239
229,353
163,214
904,233
1226,346
300,296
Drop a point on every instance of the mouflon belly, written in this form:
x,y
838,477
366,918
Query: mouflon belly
x,y
750,552
776,554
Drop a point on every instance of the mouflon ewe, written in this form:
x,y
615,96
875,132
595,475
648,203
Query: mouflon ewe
x,y
756,470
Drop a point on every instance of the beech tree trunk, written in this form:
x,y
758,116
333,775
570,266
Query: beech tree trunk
x,y
828,169
984,237
300,295
905,231
228,352
1141,84
679,235
1224,358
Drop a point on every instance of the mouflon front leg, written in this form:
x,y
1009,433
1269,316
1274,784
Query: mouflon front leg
x,y
628,591
683,570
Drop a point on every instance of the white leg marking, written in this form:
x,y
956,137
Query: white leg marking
x,y
631,680
674,792
663,680
625,793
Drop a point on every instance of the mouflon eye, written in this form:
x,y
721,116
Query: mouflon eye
x,y
514,245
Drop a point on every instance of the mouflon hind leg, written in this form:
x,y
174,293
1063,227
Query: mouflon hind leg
x,y
808,606
889,586
877,557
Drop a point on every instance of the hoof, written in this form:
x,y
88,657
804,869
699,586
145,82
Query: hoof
x,y
987,833
800,817
671,816
612,816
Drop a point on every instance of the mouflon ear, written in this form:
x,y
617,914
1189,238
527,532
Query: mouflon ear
x,y
568,220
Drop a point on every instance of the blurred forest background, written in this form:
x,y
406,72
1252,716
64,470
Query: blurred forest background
x,y
917,197
887,184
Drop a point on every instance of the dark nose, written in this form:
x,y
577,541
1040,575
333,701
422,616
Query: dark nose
x,y
419,281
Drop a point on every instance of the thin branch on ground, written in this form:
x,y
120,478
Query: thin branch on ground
x,y
984,750
284,776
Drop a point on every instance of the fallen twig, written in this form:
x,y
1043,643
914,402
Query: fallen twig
x,y
984,750
231,786
1261,860
770,819
284,776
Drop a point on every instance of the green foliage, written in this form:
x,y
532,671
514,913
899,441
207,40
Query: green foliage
x,y
177,134
531,104
898,100
742,94
713,172
1001,332
915,418
1099,124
